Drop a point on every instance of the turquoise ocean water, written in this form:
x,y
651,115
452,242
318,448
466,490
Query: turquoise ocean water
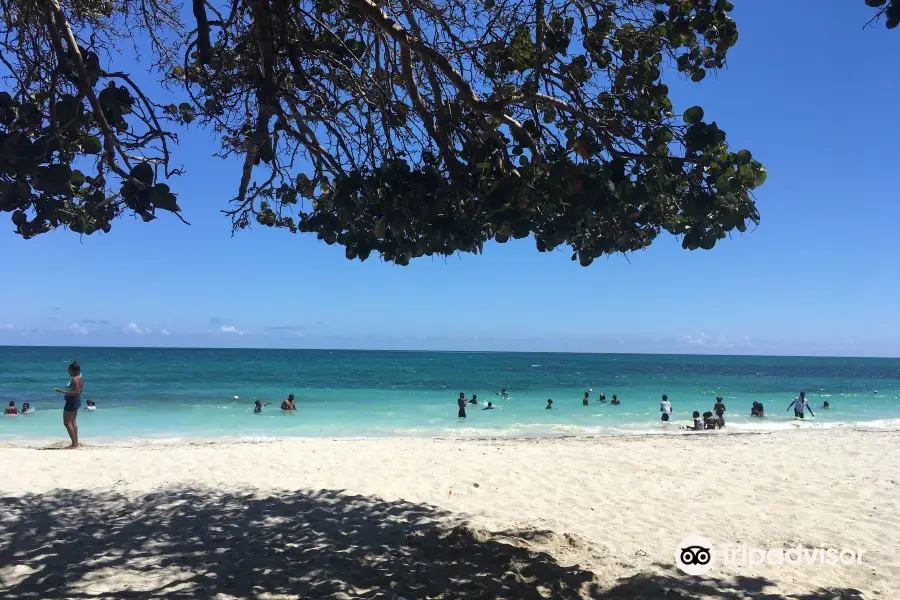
x,y
179,395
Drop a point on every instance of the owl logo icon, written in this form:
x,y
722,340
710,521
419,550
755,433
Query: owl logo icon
x,y
695,555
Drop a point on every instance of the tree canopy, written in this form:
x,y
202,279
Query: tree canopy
x,y
889,10
399,127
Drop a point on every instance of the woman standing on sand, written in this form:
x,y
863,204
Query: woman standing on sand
x,y
72,394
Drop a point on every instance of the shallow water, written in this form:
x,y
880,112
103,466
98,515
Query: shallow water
x,y
175,395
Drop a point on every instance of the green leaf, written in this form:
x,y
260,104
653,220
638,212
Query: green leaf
x,y
693,115
67,109
723,183
77,178
760,177
108,98
744,157
58,174
161,197
708,241
143,173
184,107
698,75
875,3
92,145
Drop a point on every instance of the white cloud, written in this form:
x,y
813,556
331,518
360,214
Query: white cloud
x,y
165,332
6,327
231,329
700,340
133,328
704,341
78,329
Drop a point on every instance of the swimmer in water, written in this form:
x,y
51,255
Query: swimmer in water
x,y
665,407
757,409
490,406
289,403
474,399
801,405
826,405
549,404
719,409
586,396
602,398
26,408
698,423
615,400
503,393
91,405
258,406
461,403
11,410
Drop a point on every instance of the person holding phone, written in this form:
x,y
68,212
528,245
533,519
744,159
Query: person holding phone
x,y
72,394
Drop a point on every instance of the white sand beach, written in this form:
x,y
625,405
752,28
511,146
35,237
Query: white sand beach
x,y
422,518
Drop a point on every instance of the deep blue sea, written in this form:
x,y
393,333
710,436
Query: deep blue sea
x,y
179,395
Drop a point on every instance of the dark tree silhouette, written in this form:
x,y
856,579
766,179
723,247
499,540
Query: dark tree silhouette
x,y
403,127
889,10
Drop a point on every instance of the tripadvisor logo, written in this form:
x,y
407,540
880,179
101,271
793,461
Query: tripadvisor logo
x,y
696,555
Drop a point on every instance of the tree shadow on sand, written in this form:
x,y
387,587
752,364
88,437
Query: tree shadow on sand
x,y
187,543
670,584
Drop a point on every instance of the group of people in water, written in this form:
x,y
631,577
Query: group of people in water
x,y
713,419
462,402
286,404
707,421
73,391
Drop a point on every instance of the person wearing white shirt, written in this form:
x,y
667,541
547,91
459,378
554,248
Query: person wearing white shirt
x,y
665,407
800,406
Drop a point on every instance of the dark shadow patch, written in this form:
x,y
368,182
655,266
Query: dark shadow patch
x,y
188,543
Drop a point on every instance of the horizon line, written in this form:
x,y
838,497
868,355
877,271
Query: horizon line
x,y
411,350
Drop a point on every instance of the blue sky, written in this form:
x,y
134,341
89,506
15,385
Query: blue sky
x,y
811,93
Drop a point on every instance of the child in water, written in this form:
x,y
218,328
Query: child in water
x,y
549,404
258,406
91,405
698,423
490,406
615,400
26,408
